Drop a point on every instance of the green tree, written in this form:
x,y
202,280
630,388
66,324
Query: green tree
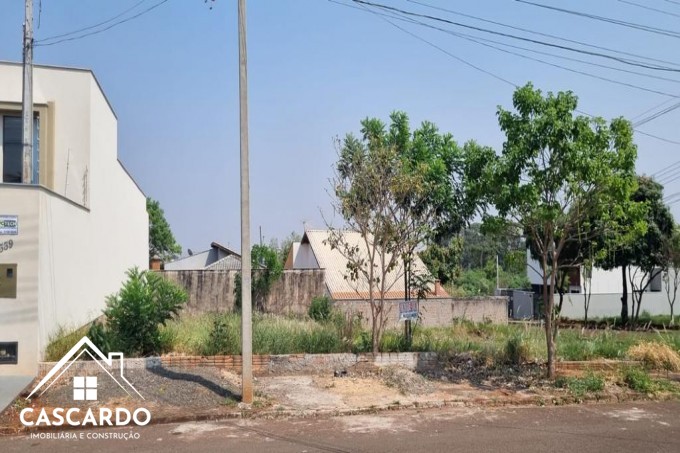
x,y
134,314
649,257
267,269
671,275
557,172
161,240
398,188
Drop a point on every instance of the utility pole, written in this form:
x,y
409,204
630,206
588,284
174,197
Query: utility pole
x,y
27,96
246,304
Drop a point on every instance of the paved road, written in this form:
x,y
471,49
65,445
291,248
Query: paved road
x,y
630,427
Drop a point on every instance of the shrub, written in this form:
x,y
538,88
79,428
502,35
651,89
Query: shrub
x,y
638,380
580,386
320,309
517,350
221,338
134,315
61,342
656,355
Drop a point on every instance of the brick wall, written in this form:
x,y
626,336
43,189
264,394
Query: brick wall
x,y
213,291
438,312
264,364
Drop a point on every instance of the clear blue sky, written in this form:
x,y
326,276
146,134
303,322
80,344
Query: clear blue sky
x,y
315,70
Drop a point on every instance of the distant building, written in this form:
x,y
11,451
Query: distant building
x,y
217,257
70,232
606,288
313,252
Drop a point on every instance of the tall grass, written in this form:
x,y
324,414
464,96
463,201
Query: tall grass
x,y
212,334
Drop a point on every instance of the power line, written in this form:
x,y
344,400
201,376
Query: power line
x,y
73,38
521,38
489,73
667,140
649,8
666,170
383,17
641,74
476,39
547,35
623,23
651,109
50,38
657,115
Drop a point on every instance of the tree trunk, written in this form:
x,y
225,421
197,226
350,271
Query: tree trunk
x,y
548,313
624,297
376,334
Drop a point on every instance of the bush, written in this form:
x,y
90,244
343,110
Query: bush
x,y
134,315
656,356
320,309
517,350
221,338
580,386
61,342
638,380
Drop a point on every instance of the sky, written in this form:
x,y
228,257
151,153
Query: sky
x,y
315,70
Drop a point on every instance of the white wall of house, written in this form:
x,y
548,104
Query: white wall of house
x,y
89,228
19,316
603,281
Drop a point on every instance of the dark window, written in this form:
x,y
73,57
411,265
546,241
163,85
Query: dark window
x,y
10,273
11,149
9,353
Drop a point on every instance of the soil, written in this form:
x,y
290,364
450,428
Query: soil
x,y
206,393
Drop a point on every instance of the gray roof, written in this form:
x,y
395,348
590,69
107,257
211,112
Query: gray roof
x,y
228,263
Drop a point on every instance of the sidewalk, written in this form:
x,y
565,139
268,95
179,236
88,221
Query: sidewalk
x,y
10,387
210,393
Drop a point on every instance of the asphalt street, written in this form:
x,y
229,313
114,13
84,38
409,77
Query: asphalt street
x,y
630,427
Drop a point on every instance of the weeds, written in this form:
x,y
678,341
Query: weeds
x,y
581,386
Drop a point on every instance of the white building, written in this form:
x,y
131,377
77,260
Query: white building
x,y
606,288
68,235
314,252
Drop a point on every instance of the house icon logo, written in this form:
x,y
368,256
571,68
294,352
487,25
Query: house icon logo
x,y
85,387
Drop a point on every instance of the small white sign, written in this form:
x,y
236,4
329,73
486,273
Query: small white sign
x,y
408,310
9,224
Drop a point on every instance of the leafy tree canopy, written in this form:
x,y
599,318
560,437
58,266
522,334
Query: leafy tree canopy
x,y
162,243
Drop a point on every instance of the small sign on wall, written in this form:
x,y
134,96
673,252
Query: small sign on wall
x,y
9,224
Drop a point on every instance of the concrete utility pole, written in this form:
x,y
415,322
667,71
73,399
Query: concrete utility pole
x,y
246,304
27,98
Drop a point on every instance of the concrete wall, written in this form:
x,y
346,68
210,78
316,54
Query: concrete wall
x,y
438,312
265,364
607,305
213,291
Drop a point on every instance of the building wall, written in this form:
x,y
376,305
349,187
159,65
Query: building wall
x,y
608,305
603,281
89,226
19,317
437,312
304,257
213,291
67,95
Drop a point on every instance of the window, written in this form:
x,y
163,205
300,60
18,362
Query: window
x,y
12,150
9,353
85,388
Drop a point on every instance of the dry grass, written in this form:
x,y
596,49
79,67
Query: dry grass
x,y
656,356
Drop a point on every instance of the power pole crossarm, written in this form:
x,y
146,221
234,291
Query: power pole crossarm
x,y
27,96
